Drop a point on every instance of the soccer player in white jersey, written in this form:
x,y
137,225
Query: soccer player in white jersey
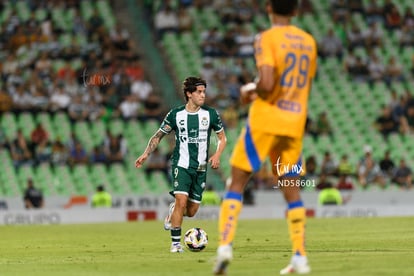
x,y
192,124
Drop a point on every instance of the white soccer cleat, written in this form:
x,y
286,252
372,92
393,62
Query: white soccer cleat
x,y
224,257
176,248
298,265
167,220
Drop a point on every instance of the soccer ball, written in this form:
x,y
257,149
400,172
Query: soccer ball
x,y
196,239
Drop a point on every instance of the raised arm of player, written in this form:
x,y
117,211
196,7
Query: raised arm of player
x,y
152,145
215,158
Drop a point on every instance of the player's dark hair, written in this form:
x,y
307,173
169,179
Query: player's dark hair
x,y
190,85
284,7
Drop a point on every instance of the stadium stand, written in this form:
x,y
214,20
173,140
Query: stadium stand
x,y
352,105
86,35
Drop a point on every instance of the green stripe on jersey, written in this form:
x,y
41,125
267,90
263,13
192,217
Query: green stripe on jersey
x,y
192,134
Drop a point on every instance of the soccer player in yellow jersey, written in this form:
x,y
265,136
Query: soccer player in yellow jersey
x,y
286,61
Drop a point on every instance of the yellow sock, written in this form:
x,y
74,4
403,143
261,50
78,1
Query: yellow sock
x,y
296,217
229,216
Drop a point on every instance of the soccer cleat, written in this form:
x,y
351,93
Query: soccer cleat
x,y
176,248
224,257
167,220
296,267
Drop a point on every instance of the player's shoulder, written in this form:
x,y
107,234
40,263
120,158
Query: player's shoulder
x,y
306,35
210,109
177,109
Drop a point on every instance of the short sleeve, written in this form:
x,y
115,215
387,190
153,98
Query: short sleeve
x,y
216,123
263,51
168,124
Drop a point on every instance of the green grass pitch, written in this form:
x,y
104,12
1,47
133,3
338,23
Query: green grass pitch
x,y
342,246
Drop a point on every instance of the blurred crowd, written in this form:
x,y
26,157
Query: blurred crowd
x,y
87,69
356,44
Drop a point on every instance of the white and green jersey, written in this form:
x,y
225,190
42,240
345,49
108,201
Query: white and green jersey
x,y
192,135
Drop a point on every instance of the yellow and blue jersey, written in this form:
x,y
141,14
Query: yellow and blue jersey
x,y
293,54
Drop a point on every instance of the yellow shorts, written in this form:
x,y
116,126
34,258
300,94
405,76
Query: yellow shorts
x,y
284,152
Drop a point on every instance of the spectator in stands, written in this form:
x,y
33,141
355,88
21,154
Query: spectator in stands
x,y
39,135
129,108
78,155
123,88
393,19
166,20
141,88
345,167
119,37
311,167
210,197
376,70
323,126
6,102
228,45
344,183
230,116
98,156
339,10
95,22
328,165
208,72
399,112
387,166
323,182
355,37
369,172
306,7
356,6
33,197
210,42
77,110
20,151
157,161
185,21
101,198
59,155
43,65
43,152
374,12
359,72
116,149
59,100
409,119
226,11
153,109
393,71
408,18
21,99
331,46
406,36
385,123
10,65
403,176
66,71
245,40
95,110
4,141
373,36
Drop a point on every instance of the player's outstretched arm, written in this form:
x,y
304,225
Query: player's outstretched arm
x,y
152,145
215,158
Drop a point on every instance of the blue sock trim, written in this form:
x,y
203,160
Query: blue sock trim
x,y
233,195
296,204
